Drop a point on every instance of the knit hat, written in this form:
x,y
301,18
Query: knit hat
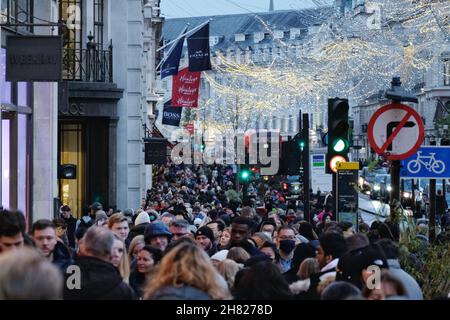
x,y
220,255
205,231
142,218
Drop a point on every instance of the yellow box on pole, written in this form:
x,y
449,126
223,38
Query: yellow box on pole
x,y
348,166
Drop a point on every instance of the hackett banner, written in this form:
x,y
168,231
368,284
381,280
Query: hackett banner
x,y
185,87
171,115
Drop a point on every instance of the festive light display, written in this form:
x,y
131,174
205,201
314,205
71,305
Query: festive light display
x,y
343,57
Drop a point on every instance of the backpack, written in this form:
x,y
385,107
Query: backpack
x,y
82,227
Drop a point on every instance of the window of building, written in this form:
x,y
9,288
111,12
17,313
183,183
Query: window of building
x,y
5,86
98,23
70,13
15,142
447,72
17,11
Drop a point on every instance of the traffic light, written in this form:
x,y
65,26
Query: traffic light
x,y
202,146
338,133
244,174
290,158
285,186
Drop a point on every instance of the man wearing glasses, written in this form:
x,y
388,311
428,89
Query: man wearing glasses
x,y
286,242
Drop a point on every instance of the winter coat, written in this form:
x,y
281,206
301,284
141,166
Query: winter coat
x,y
100,280
180,293
71,226
138,282
413,290
62,257
137,231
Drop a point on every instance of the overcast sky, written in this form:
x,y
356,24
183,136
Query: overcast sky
x,y
195,8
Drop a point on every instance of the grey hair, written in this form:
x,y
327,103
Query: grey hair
x,y
26,275
180,224
98,241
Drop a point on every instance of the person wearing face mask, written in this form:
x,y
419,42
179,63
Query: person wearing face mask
x,y
285,242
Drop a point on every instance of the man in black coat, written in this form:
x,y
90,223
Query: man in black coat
x,y
71,222
93,277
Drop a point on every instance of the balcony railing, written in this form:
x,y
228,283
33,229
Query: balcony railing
x,y
89,65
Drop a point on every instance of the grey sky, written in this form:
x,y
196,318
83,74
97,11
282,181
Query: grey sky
x,y
194,8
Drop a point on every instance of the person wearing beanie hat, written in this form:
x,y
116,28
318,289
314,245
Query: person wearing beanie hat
x,y
158,235
218,257
142,218
140,224
205,239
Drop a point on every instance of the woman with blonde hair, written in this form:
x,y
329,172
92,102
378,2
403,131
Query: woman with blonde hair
x,y
135,246
186,272
119,258
228,269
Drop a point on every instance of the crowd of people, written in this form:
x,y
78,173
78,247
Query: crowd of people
x,y
195,237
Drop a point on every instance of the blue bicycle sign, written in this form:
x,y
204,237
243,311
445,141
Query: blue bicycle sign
x,y
428,162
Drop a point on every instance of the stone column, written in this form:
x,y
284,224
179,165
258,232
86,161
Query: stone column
x,y
45,148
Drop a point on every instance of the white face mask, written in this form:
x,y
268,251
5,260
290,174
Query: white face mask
x,y
269,234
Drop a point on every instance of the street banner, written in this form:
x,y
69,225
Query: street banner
x,y
172,61
185,87
171,115
199,50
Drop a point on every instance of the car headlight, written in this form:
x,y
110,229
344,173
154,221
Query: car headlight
x,y
376,187
406,195
389,188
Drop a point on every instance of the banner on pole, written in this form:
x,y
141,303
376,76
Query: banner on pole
x,y
171,115
185,88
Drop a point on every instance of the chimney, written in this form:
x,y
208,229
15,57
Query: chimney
x,y
271,6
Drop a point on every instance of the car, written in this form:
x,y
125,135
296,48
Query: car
x,y
381,187
292,185
366,179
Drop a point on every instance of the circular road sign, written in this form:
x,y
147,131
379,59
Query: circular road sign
x,y
395,131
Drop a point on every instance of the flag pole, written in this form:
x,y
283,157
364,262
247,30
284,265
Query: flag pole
x,y
184,34
173,47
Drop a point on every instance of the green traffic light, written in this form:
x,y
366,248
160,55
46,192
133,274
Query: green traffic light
x,y
245,174
340,145
302,144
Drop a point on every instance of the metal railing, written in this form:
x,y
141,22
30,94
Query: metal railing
x,y
89,65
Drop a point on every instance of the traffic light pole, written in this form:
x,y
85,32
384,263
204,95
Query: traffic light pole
x,y
305,162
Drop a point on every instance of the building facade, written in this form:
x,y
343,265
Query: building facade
x,y
261,38
96,117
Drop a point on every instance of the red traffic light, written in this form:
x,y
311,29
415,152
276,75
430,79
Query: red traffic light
x,y
285,186
333,162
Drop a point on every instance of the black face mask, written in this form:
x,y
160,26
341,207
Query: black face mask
x,y
287,245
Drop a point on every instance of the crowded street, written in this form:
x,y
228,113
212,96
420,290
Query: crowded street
x,y
226,150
